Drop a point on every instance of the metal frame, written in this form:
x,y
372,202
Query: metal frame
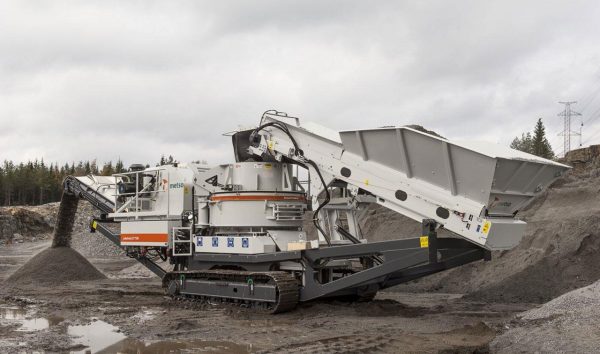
x,y
135,197
389,262
417,175
175,241
102,227
402,261
75,187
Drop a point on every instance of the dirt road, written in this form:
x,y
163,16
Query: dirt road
x,y
129,314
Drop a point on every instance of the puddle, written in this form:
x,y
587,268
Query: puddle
x,y
19,314
102,337
96,336
12,313
34,324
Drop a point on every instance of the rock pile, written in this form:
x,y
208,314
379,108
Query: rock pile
x,y
59,263
53,266
558,253
23,223
567,324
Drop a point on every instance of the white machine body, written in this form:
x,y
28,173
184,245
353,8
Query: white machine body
x,y
474,190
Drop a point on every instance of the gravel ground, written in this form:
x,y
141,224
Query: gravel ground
x,y
136,307
558,253
567,324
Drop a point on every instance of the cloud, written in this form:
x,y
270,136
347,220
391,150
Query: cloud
x,y
135,80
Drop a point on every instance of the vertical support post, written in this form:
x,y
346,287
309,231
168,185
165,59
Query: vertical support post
x,y
137,190
428,229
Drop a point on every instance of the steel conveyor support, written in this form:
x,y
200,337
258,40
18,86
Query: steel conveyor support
x,y
105,230
74,186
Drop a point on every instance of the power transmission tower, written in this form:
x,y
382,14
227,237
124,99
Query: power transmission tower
x,y
567,113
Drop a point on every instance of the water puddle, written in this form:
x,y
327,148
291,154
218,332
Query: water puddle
x,y
96,336
34,324
102,337
19,314
12,313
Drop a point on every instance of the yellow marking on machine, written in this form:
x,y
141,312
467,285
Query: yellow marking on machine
x,y
486,227
424,240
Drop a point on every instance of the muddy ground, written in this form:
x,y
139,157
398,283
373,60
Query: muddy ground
x,y
542,296
128,313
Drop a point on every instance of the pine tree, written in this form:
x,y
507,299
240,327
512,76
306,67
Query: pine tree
x,y
107,169
536,145
541,146
119,167
524,144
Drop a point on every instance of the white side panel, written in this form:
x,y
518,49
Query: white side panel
x,y
146,233
234,244
283,237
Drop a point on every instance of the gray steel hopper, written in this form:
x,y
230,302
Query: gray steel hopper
x,y
502,179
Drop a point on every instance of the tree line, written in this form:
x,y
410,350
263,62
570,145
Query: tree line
x,y
536,143
35,182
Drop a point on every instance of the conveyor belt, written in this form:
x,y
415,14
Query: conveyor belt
x,y
79,189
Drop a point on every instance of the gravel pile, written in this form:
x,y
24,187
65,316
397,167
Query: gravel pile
x,y
558,253
55,265
27,223
91,244
18,224
567,324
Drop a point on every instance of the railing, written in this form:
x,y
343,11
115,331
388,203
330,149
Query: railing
x,y
136,200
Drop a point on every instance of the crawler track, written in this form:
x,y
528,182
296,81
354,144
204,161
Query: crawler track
x,y
285,286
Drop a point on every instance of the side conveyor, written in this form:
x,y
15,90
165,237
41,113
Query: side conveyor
x,y
74,186
98,193
105,230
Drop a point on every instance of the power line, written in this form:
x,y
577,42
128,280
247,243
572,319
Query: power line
x,y
590,98
596,134
593,116
593,135
567,113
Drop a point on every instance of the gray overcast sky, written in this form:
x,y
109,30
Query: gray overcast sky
x,y
137,79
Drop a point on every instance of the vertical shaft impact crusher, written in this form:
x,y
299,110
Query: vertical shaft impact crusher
x,y
280,225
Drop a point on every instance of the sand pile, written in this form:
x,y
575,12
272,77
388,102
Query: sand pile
x,y
59,263
55,265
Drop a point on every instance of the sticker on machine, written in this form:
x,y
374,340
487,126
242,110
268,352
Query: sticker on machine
x,y
486,227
